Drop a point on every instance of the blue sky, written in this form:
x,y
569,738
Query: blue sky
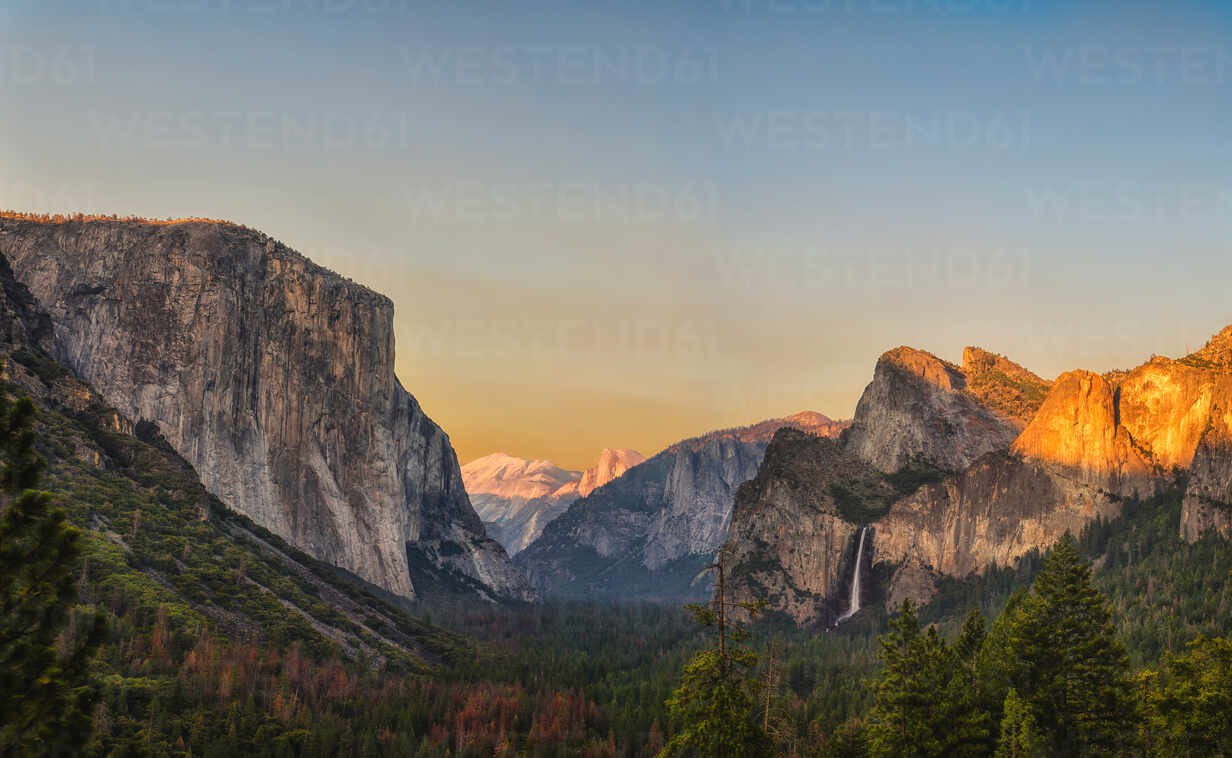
x,y
622,223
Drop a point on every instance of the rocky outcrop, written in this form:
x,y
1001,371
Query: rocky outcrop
x,y
650,532
919,410
792,538
274,378
517,497
1207,506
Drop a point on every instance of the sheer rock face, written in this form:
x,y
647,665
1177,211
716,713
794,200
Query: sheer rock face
x,y
789,543
1078,433
1208,497
649,532
918,409
274,378
1089,441
998,510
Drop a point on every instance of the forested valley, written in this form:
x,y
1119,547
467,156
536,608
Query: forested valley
x,y
135,623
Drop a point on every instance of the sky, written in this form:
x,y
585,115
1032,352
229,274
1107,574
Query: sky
x,y
619,224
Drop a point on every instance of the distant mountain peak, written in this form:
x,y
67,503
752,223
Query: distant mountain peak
x,y
516,497
509,476
613,462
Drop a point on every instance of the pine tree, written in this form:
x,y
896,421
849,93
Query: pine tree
x,y
1059,654
1020,735
967,697
910,717
714,705
46,695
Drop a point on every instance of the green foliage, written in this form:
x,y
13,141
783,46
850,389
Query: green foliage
x,y
913,476
1189,701
925,693
1020,735
45,651
857,502
713,707
1063,660
226,641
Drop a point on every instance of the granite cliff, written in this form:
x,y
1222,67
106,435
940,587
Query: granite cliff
x,y
649,532
273,378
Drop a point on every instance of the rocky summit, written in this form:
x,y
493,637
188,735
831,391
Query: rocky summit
x,y
274,378
921,410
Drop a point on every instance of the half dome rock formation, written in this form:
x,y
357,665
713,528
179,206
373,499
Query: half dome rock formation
x,y
517,497
613,462
919,409
649,532
274,378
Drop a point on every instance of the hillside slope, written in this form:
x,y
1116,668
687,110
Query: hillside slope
x,y
158,545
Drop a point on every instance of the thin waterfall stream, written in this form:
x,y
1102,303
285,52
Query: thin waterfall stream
x,y
855,582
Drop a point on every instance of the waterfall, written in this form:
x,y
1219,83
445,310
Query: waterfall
x,y
855,581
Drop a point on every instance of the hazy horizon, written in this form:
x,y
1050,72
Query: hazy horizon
x,y
626,224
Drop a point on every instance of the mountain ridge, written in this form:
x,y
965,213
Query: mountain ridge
x,y
649,532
